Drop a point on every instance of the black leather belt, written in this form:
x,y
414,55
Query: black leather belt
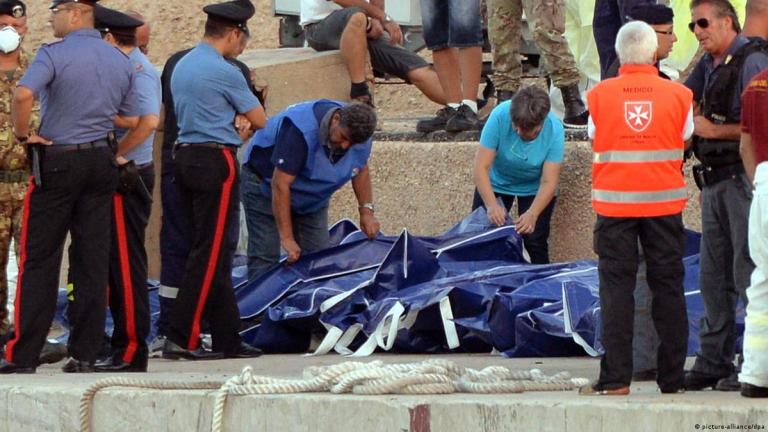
x,y
145,166
61,148
705,175
210,145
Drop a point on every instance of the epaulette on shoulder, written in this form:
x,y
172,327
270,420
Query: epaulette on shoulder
x,y
49,44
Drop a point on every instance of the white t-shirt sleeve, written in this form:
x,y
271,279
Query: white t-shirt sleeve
x,y
688,128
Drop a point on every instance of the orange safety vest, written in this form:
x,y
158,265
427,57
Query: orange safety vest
x,y
638,144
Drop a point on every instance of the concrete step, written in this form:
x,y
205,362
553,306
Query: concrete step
x,y
49,401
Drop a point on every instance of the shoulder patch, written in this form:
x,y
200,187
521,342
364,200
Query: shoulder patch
x,y
138,67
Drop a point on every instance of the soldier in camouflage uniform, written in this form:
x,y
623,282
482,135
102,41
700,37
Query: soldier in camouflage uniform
x,y
547,19
14,170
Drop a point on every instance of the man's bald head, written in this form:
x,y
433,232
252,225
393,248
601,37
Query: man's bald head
x,y
142,33
756,21
758,6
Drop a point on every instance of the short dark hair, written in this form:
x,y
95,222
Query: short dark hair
x,y
723,8
126,40
359,120
530,107
216,29
121,39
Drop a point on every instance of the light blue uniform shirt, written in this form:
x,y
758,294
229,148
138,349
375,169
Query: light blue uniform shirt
x,y
149,93
82,82
518,165
208,92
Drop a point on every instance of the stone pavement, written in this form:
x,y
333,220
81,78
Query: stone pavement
x,y
49,401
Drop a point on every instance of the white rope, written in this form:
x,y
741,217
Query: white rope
x,y
434,376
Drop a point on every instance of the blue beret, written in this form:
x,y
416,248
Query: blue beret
x,y
652,14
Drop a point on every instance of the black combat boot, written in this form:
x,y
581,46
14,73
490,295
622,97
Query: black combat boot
x,y
576,114
504,95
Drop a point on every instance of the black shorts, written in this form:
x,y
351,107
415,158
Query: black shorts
x,y
390,59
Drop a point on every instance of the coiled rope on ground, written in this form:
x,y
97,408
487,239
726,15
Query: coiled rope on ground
x,y
435,376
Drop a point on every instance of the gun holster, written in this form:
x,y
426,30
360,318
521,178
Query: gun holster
x,y
128,178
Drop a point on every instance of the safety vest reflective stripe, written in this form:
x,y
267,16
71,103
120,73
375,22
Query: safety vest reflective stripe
x,y
639,156
639,197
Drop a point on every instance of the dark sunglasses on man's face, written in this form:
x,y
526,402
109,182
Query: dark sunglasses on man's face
x,y
701,22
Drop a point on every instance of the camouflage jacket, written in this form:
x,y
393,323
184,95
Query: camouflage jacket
x,y
13,155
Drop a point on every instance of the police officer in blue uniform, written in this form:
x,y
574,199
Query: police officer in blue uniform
x,y
78,178
293,167
208,93
128,298
175,231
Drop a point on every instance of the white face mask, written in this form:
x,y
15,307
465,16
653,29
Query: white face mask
x,y
9,39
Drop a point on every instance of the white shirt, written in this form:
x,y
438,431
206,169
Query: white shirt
x,y
313,11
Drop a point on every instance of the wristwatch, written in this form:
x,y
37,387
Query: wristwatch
x,y
22,139
368,206
387,18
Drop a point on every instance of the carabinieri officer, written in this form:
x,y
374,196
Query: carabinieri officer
x,y
208,93
83,84
128,298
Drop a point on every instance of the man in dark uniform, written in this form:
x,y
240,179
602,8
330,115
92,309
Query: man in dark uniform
x,y
730,62
128,297
176,230
74,191
661,18
645,340
609,16
208,94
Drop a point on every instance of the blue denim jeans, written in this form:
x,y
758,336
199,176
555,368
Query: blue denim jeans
x,y
310,230
451,23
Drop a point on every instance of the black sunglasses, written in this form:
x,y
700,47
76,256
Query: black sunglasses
x,y
701,22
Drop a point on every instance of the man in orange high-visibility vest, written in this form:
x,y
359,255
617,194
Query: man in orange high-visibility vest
x,y
639,123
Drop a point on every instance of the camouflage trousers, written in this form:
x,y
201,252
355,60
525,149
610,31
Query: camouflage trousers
x,y
547,19
10,227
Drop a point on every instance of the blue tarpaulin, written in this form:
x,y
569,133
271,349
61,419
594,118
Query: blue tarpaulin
x,y
468,290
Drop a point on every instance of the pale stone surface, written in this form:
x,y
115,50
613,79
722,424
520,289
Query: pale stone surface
x,y
49,401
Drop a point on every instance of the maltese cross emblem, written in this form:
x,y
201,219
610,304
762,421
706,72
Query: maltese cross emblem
x,y
638,115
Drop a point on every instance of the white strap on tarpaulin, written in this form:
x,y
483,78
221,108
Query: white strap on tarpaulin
x,y
451,335
342,346
166,291
388,325
330,339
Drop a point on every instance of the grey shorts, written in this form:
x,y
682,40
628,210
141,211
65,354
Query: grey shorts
x,y
390,59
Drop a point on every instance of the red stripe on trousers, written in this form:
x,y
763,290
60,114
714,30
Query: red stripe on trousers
x,y
125,273
22,262
221,222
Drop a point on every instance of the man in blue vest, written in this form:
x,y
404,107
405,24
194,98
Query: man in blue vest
x,y
293,167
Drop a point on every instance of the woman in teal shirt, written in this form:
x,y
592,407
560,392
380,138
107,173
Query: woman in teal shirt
x,y
520,157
